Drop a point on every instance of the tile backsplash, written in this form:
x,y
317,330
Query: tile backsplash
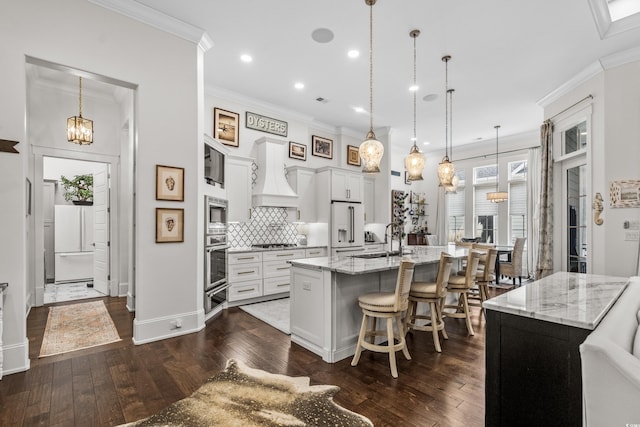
x,y
267,225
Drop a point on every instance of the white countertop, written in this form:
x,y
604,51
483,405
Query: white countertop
x,y
573,299
255,249
352,265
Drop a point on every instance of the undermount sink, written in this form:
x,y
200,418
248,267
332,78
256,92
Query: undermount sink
x,y
376,254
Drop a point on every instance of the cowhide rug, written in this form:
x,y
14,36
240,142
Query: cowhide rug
x,y
243,396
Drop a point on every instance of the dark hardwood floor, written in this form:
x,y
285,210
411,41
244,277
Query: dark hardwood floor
x,y
122,382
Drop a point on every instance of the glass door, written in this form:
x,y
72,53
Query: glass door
x,y
575,248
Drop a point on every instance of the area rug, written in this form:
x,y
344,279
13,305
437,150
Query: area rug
x,y
275,312
241,396
77,326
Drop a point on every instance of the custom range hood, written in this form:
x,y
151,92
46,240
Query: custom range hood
x,y
272,188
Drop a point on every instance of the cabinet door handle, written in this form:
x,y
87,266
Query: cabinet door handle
x,y
246,290
282,284
246,257
285,254
246,272
283,268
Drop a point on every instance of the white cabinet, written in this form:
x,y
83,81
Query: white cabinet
x,y
369,199
276,270
238,185
315,252
346,185
245,275
377,247
303,181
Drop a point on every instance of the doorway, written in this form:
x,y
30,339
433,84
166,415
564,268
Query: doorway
x,y
76,232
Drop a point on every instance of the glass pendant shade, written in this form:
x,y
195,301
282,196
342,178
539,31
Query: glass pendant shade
x,y
371,151
79,129
414,164
446,172
453,188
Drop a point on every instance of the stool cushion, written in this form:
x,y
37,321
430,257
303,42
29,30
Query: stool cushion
x,y
457,282
378,301
425,290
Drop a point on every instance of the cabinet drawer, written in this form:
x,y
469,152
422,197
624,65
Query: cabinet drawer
x,y
275,268
315,252
242,272
276,285
245,290
244,257
283,255
373,248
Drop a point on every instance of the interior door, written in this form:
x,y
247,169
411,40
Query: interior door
x,y
101,229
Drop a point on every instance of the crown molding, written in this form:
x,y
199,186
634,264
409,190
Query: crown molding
x,y
588,73
621,58
159,20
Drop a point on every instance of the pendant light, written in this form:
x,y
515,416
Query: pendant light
x,y
79,129
453,188
371,150
446,169
497,196
414,162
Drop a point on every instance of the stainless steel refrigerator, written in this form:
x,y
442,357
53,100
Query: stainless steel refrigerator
x,y
73,243
347,228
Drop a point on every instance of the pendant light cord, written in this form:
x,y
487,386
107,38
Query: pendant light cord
x,y
450,94
446,106
371,66
415,89
497,162
80,98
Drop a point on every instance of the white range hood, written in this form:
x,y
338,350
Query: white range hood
x,y
272,188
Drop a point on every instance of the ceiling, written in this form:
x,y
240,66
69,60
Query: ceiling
x,y
502,64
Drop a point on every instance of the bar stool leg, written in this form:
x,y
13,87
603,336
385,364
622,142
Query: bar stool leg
x,y
392,353
434,326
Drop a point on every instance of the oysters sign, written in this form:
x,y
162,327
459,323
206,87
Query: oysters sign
x,y
266,124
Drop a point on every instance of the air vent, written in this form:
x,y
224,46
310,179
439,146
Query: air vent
x,y
321,99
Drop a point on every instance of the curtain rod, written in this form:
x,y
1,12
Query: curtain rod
x,y
570,107
493,154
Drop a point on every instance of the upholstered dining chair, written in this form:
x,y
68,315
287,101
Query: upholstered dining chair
x,y
431,293
513,268
482,247
389,306
460,285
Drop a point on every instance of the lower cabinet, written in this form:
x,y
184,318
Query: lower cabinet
x,y
263,273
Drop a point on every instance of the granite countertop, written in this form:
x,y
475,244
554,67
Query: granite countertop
x,y
353,265
572,299
239,249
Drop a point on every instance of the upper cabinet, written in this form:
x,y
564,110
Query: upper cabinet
x,y
303,181
238,186
369,199
345,185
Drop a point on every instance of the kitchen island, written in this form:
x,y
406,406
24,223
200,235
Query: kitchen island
x,y
533,369
325,316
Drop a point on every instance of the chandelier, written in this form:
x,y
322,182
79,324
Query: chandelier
x,y
371,150
446,169
79,129
497,196
414,162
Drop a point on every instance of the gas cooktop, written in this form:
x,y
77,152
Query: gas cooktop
x,y
275,245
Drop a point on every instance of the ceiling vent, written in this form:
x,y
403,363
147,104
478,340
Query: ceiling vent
x,y
272,188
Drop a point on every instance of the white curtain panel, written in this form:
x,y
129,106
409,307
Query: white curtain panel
x,y
533,209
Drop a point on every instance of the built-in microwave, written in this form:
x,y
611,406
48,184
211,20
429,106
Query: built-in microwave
x,y
215,215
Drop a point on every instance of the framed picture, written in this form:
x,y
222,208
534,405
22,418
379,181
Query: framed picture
x,y
169,183
624,194
406,178
353,155
297,151
226,127
169,225
322,147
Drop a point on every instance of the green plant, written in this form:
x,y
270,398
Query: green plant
x,y
80,187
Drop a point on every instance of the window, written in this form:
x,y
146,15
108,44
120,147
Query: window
x,y
577,219
575,138
517,199
485,212
455,210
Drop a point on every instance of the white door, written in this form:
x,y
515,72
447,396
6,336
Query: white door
x,y
101,229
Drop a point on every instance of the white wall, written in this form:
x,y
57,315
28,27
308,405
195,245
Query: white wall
x,y
168,276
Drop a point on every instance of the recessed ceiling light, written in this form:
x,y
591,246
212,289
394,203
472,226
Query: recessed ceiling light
x,y
359,109
430,97
299,85
353,53
322,35
246,58
425,143
414,88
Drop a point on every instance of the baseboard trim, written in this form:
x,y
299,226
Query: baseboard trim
x,y
161,328
15,358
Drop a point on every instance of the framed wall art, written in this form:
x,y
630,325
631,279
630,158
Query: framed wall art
x,y
353,155
624,194
226,127
169,225
169,183
297,151
322,147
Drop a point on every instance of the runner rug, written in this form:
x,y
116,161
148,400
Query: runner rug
x,y
247,397
77,326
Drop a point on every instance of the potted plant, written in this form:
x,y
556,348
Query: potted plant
x,y
79,189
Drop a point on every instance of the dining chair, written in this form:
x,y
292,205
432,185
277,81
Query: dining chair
x,y
389,306
460,285
433,294
513,268
484,277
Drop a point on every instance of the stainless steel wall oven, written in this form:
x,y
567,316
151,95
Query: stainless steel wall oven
x,y
215,248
